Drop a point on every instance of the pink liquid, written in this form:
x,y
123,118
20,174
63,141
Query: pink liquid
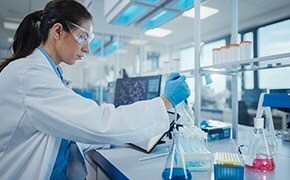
x,y
262,165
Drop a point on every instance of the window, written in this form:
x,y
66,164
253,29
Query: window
x,y
187,58
274,39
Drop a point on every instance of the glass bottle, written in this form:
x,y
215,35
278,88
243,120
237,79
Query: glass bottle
x,y
175,167
259,157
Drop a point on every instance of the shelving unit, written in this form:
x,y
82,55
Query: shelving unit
x,y
231,68
266,62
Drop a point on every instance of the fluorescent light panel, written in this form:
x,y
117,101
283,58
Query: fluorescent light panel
x,y
157,19
130,14
204,12
182,5
150,2
158,32
10,25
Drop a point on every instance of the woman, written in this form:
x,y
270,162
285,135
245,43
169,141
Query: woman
x,y
41,118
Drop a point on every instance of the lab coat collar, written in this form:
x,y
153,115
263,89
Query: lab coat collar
x,y
54,67
46,59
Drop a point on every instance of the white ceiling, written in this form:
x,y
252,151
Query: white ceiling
x,y
251,13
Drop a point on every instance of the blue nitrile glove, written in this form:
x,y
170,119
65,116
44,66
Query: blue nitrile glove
x,y
176,89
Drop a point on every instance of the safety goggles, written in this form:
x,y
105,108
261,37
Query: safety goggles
x,y
81,35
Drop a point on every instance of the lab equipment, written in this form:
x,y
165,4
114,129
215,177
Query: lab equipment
x,y
267,101
130,90
194,142
216,55
176,89
228,166
175,167
216,130
186,115
246,50
258,156
234,52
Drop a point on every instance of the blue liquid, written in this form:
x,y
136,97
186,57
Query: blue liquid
x,y
177,174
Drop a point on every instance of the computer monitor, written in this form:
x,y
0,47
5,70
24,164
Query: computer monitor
x,y
130,90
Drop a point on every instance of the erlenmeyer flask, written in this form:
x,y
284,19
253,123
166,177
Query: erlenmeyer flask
x,y
259,157
175,167
270,135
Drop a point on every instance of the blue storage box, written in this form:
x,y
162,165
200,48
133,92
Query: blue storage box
x,y
228,166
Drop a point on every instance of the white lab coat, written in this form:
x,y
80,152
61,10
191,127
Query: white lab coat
x,y
37,110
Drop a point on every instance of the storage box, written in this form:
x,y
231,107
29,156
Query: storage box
x,y
228,166
217,130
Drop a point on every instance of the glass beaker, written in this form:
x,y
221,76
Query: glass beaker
x,y
175,167
259,157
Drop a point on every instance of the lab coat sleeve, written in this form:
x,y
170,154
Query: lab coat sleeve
x,y
87,147
58,111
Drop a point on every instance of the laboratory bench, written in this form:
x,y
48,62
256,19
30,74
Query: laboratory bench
x,y
123,162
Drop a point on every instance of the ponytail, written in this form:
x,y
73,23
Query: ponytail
x,y
26,38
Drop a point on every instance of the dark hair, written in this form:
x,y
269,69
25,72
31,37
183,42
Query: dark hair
x,y
35,27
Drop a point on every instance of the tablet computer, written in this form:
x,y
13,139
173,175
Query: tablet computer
x,y
149,144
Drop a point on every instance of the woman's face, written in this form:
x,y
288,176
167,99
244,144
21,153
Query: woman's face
x,y
75,42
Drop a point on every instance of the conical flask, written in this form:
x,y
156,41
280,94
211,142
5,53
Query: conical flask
x,y
270,135
175,167
259,157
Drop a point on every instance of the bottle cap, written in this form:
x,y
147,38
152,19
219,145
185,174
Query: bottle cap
x,y
216,49
234,45
245,42
259,123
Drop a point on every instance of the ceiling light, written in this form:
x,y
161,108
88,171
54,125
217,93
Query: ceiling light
x,y
204,12
181,5
158,32
125,12
146,14
151,2
130,14
10,25
157,18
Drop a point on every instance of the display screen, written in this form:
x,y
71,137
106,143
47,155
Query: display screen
x,y
130,90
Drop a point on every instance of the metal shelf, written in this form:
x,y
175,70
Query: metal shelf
x,y
266,62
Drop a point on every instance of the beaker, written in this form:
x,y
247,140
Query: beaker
x,y
175,167
259,157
